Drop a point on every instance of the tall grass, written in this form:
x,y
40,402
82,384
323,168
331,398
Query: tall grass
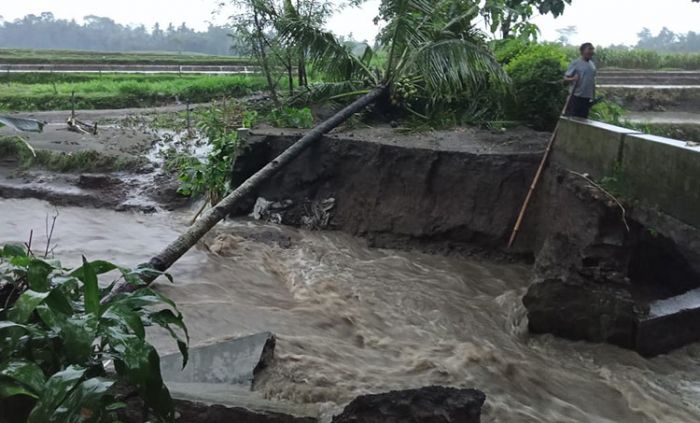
x,y
26,92
642,59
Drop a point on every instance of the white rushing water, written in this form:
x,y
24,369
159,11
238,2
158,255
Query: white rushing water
x,y
353,320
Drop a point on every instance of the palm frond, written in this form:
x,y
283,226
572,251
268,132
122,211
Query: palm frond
x,y
325,52
450,67
329,91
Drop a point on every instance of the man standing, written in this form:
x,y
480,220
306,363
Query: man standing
x,y
582,74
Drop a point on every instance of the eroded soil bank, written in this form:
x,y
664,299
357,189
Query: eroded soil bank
x,y
436,191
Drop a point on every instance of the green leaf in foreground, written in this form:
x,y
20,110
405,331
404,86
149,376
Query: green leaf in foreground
x,y
92,289
85,402
25,305
55,391
13,250
27,376
56,336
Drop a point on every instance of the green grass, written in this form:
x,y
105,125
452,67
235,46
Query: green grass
x,y
79,161
641,59
28,92
27,56
613,114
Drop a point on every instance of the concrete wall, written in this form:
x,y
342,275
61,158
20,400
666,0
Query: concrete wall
x,y
664,173
660,172
589,146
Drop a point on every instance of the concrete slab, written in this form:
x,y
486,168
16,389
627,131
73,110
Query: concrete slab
x,y
232,362
588,146
663,173
671,323
223,373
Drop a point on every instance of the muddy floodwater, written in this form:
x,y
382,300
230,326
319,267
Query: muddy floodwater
x,y
353,320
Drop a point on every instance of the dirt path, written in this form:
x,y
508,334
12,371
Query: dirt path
x,y
461,139
60,116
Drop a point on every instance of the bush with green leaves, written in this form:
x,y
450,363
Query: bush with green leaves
x,y
608,112
538,89
211,177
508,49
60,337
291,117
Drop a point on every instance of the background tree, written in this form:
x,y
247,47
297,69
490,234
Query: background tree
x,y
669,41
98,33
566,33
512,17
261,23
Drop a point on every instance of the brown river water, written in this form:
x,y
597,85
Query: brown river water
x,y
353,320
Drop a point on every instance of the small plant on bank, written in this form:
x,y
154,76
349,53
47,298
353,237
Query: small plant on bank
x,y
290,117
608,112
616,183
211,177
59,340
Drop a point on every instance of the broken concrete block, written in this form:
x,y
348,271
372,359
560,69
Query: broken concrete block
x,y
231,362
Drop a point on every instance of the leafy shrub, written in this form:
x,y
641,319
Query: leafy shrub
x,y
290,117
58,338
507,50
218,125
538,90
608,112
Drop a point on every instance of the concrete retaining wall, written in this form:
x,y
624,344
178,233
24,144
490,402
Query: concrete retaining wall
x,y
659,172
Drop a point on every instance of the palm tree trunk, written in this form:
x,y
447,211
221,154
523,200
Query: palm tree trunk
x,y
259,35
194,233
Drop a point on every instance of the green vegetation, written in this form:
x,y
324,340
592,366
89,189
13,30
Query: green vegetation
x,y
211,178
613,114
107,91
616,183
26,56
79,161
290,117
58,337
512,18
538,91
613,57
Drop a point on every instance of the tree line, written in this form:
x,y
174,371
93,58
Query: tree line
x,y
98,33
669,41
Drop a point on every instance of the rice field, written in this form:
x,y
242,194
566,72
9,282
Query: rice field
x,y
29,92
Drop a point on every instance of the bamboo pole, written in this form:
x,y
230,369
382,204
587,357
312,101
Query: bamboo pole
x,y
538,174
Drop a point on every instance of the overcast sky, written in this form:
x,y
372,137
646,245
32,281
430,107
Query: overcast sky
x,y
599,21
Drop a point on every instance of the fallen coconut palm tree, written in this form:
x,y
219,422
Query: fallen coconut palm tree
x,y
435,54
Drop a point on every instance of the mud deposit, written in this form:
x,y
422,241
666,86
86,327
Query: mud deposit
x,y
352,320
124,160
